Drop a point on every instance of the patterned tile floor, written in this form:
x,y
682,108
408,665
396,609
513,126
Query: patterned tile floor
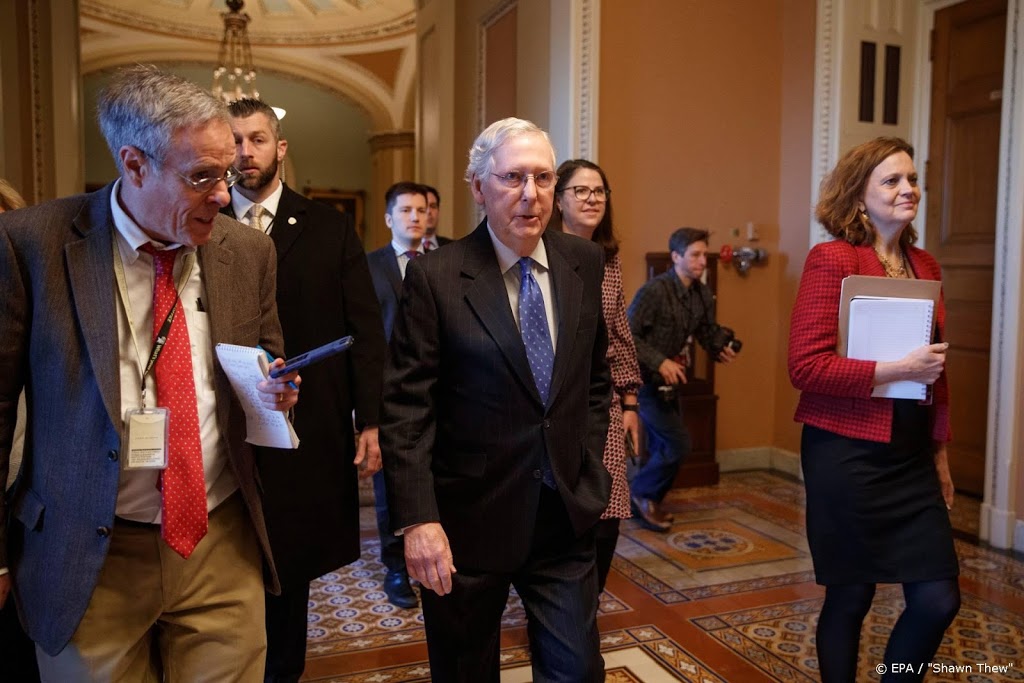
x,y
727,595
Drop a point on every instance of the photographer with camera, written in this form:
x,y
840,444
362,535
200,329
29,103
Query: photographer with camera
x,y
665,315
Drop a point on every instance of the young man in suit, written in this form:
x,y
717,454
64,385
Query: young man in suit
x,y
127,568
431,240
495,414
405,215
310,496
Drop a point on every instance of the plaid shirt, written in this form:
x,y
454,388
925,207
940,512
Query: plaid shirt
x,y
835,391
663,315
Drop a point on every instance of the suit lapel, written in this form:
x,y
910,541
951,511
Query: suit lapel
x,y
487,296
568,293
215,259
288,223
393,272
91,275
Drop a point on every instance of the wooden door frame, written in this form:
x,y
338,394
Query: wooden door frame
x,y
1004,471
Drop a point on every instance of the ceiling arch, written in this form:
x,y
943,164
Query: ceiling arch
x,y
377,74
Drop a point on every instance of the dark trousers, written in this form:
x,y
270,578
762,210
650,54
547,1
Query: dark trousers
x,y
286,634
668,442
18,662
606,535
558,586
392,548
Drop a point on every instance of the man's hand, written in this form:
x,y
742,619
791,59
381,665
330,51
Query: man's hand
x,y
5,588
727,355
672,372
368,451
282,393
428,557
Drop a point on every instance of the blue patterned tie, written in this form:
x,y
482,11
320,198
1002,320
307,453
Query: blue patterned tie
x,y
533,325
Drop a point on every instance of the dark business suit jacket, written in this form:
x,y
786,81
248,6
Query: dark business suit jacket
x,y
311,495
58,314
387,283
464,431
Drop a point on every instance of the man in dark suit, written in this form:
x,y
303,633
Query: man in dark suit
x,y
495,414
431,240
310,496
123,570
405,215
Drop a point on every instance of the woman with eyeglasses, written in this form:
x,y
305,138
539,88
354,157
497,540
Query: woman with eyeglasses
x,y
582,197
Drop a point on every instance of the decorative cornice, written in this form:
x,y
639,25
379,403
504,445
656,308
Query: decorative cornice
x,y
401,25
396,139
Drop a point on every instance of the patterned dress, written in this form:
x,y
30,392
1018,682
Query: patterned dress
x,y
625,380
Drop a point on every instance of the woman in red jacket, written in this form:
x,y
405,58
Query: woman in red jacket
x,y
875,469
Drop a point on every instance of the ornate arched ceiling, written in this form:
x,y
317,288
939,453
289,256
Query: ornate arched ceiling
x,y
364,50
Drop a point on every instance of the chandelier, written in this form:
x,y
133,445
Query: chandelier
x,y
235,76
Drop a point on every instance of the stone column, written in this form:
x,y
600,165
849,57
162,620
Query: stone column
x,y
41,138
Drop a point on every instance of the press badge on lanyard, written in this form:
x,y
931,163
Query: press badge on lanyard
x,y
145,434
146,430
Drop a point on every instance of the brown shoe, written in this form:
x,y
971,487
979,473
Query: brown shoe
x,y
649,515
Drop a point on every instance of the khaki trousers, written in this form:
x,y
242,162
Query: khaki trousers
x,y
155,616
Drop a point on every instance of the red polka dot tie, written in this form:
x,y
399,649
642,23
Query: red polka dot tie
x,y
182,484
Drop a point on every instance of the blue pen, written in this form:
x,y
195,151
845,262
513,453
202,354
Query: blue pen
x,y
270,359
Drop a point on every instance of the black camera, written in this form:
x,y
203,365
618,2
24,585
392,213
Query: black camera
x,y
721,339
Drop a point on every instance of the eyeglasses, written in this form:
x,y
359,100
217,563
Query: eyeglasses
x,y
205,184
582,192
201,182
514,179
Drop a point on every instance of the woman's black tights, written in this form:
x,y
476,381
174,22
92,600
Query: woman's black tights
x,y
931,608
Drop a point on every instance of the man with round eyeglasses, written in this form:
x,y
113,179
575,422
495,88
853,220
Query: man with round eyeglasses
x,y
135,536
494,419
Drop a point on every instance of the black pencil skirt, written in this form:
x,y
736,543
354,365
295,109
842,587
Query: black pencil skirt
x,y
875,512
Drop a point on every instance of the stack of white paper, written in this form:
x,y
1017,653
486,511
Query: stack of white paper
x,y
887,329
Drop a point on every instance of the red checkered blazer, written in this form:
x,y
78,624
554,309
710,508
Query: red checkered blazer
x,y
835,391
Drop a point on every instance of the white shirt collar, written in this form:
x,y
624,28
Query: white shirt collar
x,y
240,204
508,258
132,236
400,250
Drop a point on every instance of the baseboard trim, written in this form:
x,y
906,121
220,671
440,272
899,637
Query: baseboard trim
x,y
760,458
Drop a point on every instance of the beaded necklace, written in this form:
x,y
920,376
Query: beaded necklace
x,y
891,270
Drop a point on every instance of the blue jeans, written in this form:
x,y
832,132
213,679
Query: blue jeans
x,y
668,442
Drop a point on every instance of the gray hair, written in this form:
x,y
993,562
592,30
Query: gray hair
x,y
143,107
481,153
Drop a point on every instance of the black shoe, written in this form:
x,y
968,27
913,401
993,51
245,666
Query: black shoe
x,y
400,593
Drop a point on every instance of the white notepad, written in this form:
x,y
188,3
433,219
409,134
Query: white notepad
x,y
887,329
245,367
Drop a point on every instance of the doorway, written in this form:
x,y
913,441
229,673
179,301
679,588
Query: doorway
x,y
961,180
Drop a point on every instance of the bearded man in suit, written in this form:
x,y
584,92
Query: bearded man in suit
x,y
125,571
311,496
495,414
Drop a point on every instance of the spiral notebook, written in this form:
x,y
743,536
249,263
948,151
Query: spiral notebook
x,y
887,329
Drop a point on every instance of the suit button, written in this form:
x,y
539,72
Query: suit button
x,y
112,455
537,474
547,424
103,531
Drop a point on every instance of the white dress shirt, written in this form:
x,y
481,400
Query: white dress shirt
x,y
241,205
138,498
403,258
